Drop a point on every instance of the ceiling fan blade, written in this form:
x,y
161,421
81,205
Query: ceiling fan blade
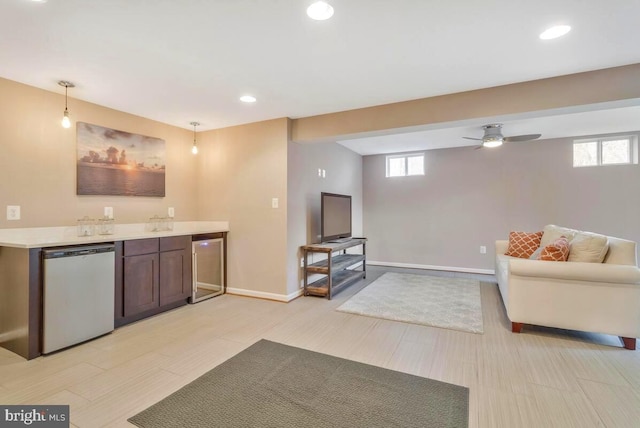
x,y
469,138
518,138
478,147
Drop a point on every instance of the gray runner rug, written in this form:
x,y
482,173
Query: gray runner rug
x,y
275,385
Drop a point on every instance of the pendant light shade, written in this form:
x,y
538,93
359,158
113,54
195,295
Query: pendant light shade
x,y
66,121
194,149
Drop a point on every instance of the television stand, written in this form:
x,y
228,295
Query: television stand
x,y
339,241
334,267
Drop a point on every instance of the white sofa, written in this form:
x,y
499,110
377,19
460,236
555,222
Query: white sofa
x,y
595,297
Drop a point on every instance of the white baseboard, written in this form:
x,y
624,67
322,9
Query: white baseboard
x,y
430,267
264,295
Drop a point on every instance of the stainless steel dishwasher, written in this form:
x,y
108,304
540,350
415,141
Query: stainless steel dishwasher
x,y
78,294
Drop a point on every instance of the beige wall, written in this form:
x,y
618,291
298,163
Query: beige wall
x,y
468,198
618,84
343,175
240,170
38,161
234,177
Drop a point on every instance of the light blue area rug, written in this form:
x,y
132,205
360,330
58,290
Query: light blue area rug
x,y
452,303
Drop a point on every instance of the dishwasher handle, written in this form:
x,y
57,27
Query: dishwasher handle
x,y
56,253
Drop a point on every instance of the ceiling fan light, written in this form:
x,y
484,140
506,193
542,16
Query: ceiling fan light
x,y
492,142
320,11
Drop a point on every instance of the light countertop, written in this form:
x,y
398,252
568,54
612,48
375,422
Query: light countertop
x,y
41,237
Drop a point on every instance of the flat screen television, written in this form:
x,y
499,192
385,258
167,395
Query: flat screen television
x,y
335,217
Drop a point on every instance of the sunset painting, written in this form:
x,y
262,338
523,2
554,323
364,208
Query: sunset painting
x,y
119,163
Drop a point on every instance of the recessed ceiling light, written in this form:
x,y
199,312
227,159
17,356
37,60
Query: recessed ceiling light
x,y
320,11
555,32
248,99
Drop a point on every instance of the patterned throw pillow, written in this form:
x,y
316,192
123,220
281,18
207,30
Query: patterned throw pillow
x,y
523,244
557,251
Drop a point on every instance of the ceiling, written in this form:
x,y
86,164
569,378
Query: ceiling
x,y
190,60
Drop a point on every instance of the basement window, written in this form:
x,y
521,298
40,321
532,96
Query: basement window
x,y
621,150
404,165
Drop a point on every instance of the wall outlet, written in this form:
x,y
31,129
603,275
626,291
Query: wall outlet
x,y
171,212
302,262
108,212
274,202
13,212
483,249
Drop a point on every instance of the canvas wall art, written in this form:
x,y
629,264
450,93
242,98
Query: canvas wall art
x,y
112,162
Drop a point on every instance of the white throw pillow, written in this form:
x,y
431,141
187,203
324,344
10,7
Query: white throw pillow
x,y
551,232
588,247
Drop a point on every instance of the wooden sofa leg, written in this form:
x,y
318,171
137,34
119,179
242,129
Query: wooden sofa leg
x,y
629,342
516,327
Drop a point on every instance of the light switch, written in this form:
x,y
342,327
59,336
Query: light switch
x,y
171,212
274,202
108,212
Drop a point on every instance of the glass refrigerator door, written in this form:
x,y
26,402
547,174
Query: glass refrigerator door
x,y
208,269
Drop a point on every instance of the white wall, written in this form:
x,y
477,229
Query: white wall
x,y
468,198
343,175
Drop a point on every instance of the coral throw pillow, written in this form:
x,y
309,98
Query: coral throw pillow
x,y
557,251
523,244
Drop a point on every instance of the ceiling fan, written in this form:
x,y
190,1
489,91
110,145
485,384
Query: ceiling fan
x,y
493,136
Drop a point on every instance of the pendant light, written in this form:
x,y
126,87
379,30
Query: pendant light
x,y
194,149
66,122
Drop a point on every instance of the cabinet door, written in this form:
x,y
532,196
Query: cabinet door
x,y
175,278
141,283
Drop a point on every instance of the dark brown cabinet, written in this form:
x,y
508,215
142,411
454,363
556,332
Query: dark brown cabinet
x,y
141,283
155,276
173,287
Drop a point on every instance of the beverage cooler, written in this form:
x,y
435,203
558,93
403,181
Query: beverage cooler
x,y
208,268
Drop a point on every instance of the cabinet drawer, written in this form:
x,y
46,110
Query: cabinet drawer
x,y
141,246
175,243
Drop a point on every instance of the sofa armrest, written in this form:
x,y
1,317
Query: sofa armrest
x,y
501,246
576,271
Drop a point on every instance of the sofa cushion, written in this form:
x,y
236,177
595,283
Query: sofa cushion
x,y
523,244
557,251
551,232
588,247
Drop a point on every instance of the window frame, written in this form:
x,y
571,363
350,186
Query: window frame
x,y
406,157
632,149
